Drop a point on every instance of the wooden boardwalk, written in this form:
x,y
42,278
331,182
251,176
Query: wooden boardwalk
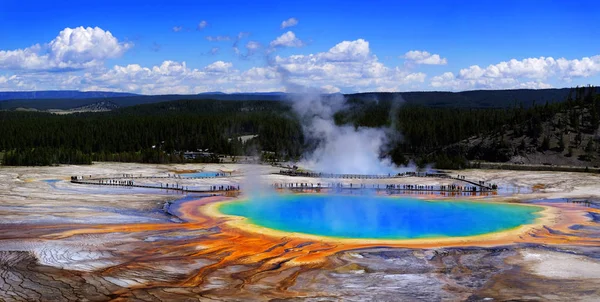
x,y
478,184
129,180
124,183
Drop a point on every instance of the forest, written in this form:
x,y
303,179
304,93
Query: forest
x,y
432,135
155,133
161,132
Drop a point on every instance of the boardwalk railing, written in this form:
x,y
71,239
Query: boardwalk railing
x,y
359,176
479,184
122,182
129,180
383,187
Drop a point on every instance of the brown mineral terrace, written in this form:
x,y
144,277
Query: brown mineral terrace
x,y
67,242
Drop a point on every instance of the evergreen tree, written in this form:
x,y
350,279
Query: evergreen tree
x,y
561,143
589,147
522,145
161,132
578,139
545,144
569,152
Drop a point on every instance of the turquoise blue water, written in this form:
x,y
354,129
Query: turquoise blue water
x,y
377,217
199,174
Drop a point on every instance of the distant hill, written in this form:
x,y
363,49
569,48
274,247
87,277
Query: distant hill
x,y
64,100
59,94
126,101
101,106
474,98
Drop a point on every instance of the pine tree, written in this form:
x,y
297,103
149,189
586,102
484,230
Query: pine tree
x,y
545,143
578,139
589,148
594,117
522,145
561,143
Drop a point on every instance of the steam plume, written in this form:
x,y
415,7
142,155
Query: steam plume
x,y
340,149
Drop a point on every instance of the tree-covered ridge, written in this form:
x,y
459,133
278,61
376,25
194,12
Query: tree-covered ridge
x,y
160,132
153,133
450,137
45,100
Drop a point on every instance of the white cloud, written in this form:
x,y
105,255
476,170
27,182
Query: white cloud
x,y
203,24
424,57
286,40
449,81
526,73
251,48
86,44
357,50
176,77
289,23
536,68
253,45
218,38
348,64
177,28
330,89
73,48
16,83
218,66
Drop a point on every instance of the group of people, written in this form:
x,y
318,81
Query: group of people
x,y
339,185
115,182
225,188
333,175
294,185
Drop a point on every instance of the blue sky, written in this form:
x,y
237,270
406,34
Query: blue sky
x,y
156,47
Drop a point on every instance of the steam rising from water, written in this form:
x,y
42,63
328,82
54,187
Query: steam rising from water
x,y
340,149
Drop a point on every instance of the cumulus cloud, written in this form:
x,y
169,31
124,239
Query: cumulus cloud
x,y
218,66
330,89
170,77
448,80
177,28
526,73
286,40
73,48
253,45
537,68
348,64
424,57
16,83
289,23
203,24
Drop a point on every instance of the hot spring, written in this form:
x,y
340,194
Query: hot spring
x,y
200,175
379,217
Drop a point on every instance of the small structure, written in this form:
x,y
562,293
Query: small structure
x,y
197,154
